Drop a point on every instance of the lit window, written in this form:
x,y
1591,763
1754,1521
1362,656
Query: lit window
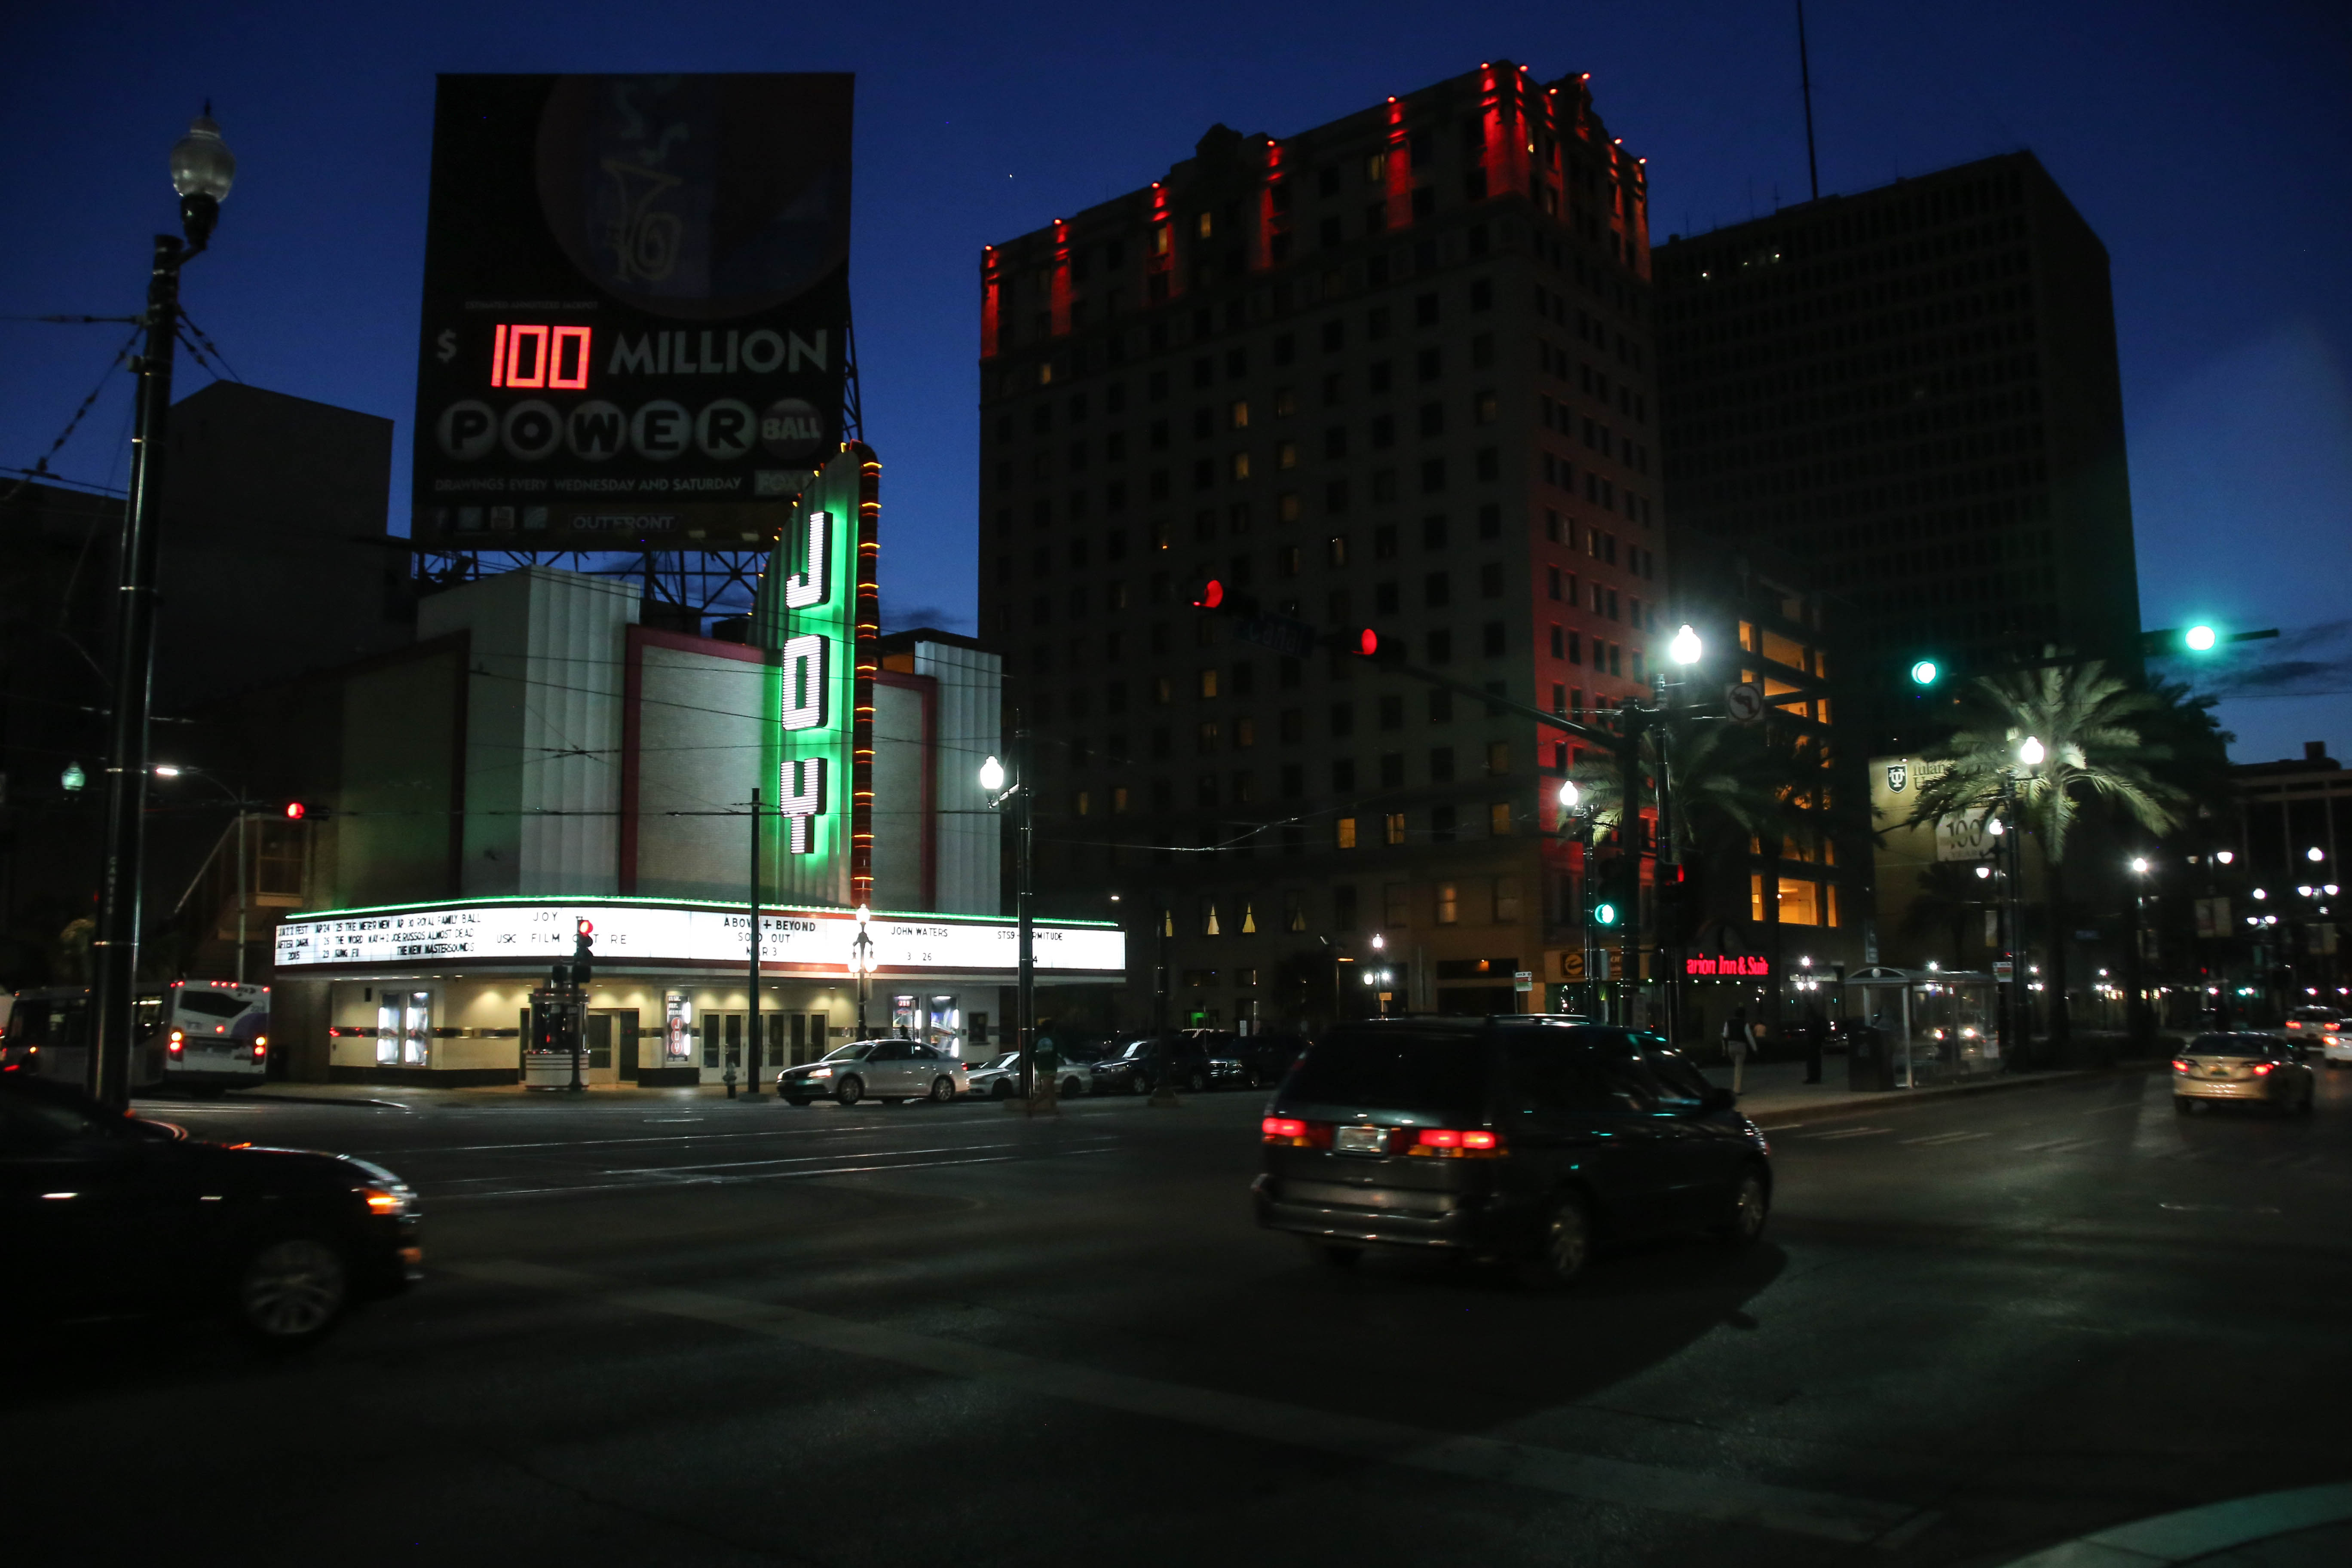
x,y
1205,224
1449,904
1499,817
1209,682
1240,465
1240,413
1344,833
1393,830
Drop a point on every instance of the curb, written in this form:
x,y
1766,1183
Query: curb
x,y
1798,1116
2195,1533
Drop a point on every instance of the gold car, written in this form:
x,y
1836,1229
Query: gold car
x,y
2242,1067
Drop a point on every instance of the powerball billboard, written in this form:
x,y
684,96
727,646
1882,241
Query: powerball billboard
x,y
636,309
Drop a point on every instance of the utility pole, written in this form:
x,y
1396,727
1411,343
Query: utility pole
x,y
752,1008
1024,911
1805,81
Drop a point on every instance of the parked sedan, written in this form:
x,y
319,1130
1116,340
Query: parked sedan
x,y
889,1070
2247,1067
1001,1078
2324,1028
103,1214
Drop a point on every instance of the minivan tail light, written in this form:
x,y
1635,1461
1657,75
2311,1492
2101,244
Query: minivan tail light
x,y
1452,1143
1293,1132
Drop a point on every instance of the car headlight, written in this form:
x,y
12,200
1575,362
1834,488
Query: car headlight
x,y
820,1072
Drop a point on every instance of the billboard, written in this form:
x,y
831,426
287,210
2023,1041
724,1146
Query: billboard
x,y
636,309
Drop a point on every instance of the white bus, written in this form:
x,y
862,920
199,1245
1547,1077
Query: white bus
x,y
202,1035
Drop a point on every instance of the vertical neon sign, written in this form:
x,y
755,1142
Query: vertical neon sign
x,y
814,615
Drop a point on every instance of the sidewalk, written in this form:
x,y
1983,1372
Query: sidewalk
x,y
2302,1528
1776,1094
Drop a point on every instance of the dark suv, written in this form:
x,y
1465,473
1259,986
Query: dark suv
x,y
1251,1061
1525,1139
1135,1068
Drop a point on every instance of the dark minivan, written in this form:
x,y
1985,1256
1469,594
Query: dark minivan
x,y
1525,1137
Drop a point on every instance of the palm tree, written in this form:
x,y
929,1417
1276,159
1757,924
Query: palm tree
x,y
2063,739
1949,894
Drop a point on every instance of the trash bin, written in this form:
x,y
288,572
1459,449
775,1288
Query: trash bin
x,y
1869,1064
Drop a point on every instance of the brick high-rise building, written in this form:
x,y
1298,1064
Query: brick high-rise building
x,y
1915,391
1395,370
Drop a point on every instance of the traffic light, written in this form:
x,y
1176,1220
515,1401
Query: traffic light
x,y
305,811
1364,642
583,954
1926,672
1208,593
1605,912
1221,595
2200,638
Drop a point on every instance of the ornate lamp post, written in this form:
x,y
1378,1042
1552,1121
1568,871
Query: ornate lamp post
x,y
1024,1016
203,169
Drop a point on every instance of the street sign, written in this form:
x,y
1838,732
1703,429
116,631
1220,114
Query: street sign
x,y
2005,970
1281,633
1523,980
1744,702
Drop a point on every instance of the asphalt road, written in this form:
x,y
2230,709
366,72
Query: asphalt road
x,y
689,1332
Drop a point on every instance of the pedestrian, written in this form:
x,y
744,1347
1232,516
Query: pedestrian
x,y
1736,1043
1815,1028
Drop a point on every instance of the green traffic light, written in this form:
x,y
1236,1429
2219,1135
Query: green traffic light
x,y
2201,640
1925,672
1604,914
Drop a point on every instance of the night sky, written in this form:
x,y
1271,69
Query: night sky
x,y
2211,147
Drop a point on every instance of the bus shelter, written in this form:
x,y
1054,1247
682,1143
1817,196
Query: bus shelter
x,y
1939,1024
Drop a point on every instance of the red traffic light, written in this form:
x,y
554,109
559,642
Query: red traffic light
x,y
1368,642
587,927
296,810
1210,595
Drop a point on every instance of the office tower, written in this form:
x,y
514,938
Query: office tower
x,y
1914,389
1394,370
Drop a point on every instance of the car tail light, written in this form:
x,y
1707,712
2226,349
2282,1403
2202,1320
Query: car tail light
x,y
2261,1068
260,1046
385,1200
179,1043
1457,1143
2179,1064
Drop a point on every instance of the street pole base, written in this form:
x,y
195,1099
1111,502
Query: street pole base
x,y
1044,1102
1164,1098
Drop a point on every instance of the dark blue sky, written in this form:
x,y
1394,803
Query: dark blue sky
x,y
2210,146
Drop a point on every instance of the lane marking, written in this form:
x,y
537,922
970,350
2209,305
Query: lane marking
x,y
1848,1132
1938,1138
2059,1146
2218,1208
1726,1499
671,1183
803,1159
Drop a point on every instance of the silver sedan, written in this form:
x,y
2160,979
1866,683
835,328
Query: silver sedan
x,y
2261,1068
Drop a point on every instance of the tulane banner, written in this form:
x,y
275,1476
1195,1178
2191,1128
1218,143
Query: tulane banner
x,y
636,309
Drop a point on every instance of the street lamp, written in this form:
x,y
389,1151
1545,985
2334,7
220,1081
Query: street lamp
x,y
2136,1004
203,169
2030,752
1684,649
992,778
861,963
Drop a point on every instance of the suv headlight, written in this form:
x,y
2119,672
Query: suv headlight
x,y
389,1201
